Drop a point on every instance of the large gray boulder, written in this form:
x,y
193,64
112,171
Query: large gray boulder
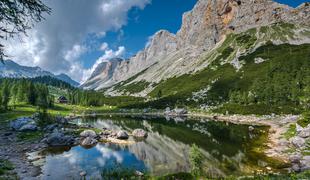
x,y
305,132
305,163
122,135
298,142
20,122
23,124
88,141
50,128
61,120
29,127
59,139
295,158
88,133
139,133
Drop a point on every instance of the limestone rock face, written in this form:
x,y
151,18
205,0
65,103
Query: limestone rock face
x,y
101,76
203,28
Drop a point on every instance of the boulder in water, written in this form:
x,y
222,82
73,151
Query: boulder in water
x,y
59,139
88,141
88,133
122,135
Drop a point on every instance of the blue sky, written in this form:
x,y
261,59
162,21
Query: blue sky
x,y
160,14
77,36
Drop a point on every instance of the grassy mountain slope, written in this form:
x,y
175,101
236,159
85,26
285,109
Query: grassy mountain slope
x,y
257,67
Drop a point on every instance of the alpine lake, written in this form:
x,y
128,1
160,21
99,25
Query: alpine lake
x,y
228,149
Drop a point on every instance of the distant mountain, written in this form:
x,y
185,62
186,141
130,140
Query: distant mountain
x,y
11,69
67,79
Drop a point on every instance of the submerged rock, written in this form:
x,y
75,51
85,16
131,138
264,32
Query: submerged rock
x,y
139,133
122,135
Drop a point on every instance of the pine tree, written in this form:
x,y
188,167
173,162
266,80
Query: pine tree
x,y
5,95
31,94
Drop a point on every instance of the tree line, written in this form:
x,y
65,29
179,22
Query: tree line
x,y
15,91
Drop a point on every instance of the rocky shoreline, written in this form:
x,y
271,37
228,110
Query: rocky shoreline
x,y
25,155
59,134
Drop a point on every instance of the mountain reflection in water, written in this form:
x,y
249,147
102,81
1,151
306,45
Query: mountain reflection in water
x,y
227,148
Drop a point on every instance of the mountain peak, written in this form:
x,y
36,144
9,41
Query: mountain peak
x,y
202,29
11,69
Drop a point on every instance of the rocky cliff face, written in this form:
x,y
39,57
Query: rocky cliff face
x,y
203,29
101,76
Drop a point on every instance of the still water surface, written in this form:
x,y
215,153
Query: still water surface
x,y
229,149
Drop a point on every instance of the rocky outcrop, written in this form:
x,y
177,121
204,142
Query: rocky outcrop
x,y
203,28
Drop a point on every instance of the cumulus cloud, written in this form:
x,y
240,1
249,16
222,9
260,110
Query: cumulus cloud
x,y
74,53
57,43
104,46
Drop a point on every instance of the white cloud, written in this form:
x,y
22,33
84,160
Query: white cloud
x,y
104,46
55,44
74,53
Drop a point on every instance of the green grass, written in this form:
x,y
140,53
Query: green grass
x,y
30,136
282,70
20,110
304,120
258,109
291,132
57,92
134,87
5,166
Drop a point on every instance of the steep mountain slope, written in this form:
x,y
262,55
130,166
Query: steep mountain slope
x,y
11,69
101,76
204,29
